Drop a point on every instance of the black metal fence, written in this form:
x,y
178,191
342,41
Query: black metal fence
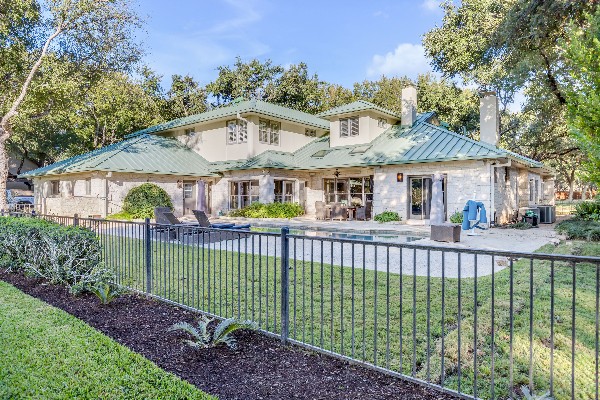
x,y
475,323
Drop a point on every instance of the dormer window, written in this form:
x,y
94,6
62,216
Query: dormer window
x,y
382,123
268,132
348,126
310,132
237,131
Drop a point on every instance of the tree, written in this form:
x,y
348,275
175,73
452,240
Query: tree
x,y
583,97
94,35
245,80
296,89
186,97
510,46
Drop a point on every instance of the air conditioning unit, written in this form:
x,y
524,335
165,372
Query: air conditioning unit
x,y
547,214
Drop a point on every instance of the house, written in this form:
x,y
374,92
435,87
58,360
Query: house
x,y
19,164
253,151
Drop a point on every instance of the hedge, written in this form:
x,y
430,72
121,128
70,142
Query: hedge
x,y
64,255
271,210
141,201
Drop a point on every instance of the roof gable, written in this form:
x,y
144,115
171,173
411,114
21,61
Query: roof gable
x,y
357,106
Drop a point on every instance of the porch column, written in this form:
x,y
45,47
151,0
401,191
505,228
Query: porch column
x,y
266,189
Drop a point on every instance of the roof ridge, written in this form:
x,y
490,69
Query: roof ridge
x,y
468,139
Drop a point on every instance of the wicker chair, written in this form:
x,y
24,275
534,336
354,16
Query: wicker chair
x,y
361,213
320,210
339,212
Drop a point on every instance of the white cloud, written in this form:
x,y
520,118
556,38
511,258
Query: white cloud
x,y
431,5
407,59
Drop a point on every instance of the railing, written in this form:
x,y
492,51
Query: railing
x,y
475,323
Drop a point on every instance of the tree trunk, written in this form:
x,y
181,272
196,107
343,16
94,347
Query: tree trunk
x,y
3,169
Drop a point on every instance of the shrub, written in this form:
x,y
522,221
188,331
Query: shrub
x,y
202,338
580,229
588,210
387,216
457,217
62,254
141,200
271,210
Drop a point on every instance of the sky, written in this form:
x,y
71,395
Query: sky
x,y
342,41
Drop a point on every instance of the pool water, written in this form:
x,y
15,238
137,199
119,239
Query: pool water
x,y
387,237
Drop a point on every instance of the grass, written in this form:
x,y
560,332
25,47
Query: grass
x,y
346,310
46,353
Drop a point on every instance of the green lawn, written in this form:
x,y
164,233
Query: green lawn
x,y
46,353
323,312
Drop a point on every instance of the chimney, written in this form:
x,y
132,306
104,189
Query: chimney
x,y
409,105
489,118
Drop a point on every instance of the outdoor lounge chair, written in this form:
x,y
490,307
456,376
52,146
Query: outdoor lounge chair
x,y
320,210
202,219
159,217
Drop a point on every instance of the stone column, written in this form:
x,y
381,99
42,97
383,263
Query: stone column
x,y
437,200
266,189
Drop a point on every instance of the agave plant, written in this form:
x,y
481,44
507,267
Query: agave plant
x,y
528,395
202,338
106,292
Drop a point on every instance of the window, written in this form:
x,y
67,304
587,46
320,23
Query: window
x,y
237,131
190,131
349,127
350,191
382,123
54,188
531,190
243,193
506,174
88,187
268,132
188,190
310,132
284,191
321,153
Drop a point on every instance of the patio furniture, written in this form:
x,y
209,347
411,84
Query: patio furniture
x,y
445,232
339,212
203,221
361,213
320,210
159,215
369,210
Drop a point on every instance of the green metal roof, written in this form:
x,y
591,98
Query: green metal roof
x,y
246,106
154,154
149,154
421,143
357,106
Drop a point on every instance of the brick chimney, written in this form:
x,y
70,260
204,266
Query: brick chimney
x,y
489,118
409,105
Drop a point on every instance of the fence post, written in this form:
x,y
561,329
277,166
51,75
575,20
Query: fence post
x,y
285,284
148,244
76,220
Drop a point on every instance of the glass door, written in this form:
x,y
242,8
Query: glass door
x,y
420,197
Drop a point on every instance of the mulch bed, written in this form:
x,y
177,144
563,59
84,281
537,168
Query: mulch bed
x,y
261,368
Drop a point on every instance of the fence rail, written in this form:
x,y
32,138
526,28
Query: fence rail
x,y
475,323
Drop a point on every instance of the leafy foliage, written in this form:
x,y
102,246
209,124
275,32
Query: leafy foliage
x,y
456,217
64,255
271,210
583,53
588,210
106,292
141,200
202,338
579,229
387,216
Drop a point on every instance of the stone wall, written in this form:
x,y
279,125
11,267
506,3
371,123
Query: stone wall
x,y
465,180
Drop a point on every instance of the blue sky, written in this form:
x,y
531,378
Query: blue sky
x,y
342,41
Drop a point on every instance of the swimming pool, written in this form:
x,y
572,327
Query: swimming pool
x,y
394,237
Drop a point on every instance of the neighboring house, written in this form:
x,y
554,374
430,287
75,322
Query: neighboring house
x,y
253,151
20,164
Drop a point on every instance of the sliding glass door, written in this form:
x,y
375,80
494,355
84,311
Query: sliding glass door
x,y
420,197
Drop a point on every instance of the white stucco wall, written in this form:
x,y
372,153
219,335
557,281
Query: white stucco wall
x,y
368,128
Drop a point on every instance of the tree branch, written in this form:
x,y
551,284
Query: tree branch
x,y
552,81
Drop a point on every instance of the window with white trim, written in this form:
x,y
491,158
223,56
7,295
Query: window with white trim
x,y
349,127
310,132
55,188
88,187
268,132
237,131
